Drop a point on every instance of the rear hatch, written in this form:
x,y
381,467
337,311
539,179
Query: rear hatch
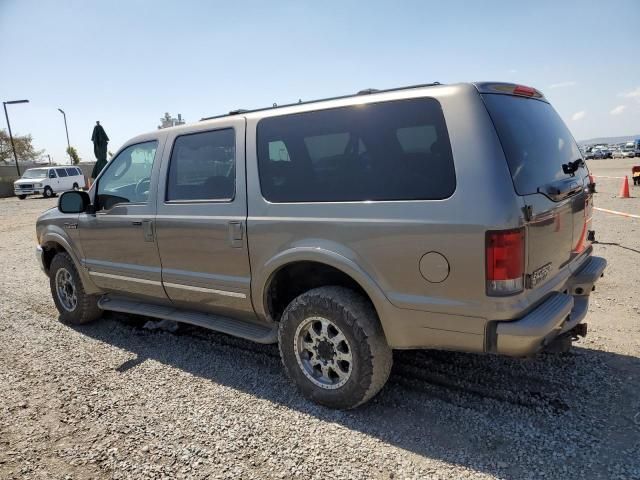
x,y
548,172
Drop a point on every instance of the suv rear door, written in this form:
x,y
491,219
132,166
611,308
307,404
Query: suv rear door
x,y
548,173
201,220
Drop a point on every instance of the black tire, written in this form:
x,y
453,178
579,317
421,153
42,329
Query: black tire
x,y
75,186
357,320
86,308
22,197
48,193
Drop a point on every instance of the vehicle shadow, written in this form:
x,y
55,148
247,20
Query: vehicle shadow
x,y
501,416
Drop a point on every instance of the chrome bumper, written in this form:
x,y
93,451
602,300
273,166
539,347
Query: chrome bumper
x,y
27,191
558,314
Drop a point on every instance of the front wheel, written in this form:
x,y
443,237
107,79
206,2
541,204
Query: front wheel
x,y
333,347
22,197
48,193
74,305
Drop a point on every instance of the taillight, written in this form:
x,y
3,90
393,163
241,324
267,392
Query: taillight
x,y
505,261
526,91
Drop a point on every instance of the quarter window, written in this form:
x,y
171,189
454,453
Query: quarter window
x,y
128,176
72,172
382,151
202,167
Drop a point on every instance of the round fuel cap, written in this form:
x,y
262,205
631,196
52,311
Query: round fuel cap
x,y
434,267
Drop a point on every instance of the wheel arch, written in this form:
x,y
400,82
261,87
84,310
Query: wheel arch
x,y
351,274
53,243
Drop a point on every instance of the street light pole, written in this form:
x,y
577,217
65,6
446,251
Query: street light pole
x,y
6,115
66,130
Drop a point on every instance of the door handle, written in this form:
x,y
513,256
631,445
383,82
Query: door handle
x,y
236,234
136,224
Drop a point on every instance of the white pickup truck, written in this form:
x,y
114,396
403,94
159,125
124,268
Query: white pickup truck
x,y
48,181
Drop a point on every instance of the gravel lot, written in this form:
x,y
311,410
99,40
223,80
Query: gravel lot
x,y
113,400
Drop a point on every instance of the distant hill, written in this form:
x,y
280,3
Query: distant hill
x,y
608,140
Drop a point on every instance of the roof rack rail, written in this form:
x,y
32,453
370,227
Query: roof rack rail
x,y
367,91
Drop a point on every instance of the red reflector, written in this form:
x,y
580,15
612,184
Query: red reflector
x,y
526,91
505,254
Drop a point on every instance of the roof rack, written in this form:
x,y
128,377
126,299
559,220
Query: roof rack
x,y
367,91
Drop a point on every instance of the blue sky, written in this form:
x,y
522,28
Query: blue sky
x,y
125,63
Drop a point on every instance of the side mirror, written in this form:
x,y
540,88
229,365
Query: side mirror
x,y
74,202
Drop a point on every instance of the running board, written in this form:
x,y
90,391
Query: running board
x,y
237,328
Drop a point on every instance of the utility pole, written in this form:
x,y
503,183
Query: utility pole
x,y
66,130
6,115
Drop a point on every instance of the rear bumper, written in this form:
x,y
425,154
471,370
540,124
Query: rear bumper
x,y
557,314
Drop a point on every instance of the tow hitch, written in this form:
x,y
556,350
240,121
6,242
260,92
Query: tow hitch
x,y
579,330
562,343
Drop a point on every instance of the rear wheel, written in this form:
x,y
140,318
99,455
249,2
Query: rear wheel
x,y
48,193
75,186
74,305
333,347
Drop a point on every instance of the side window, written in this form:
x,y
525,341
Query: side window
x,y
72,172
52,173
61,172
202,167
128,176
398,150
417,139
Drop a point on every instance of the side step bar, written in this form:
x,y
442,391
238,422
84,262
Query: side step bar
x,y
237,328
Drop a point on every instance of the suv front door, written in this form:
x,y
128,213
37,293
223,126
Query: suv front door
x,y
201,221
118,240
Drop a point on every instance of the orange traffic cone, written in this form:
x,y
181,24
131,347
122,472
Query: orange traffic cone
x,y
624,188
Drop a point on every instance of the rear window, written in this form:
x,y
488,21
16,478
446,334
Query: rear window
x,y
383,151
534,138
72,172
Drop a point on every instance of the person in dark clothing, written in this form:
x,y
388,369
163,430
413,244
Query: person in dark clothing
x,y
100,140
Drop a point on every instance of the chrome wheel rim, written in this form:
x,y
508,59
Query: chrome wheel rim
x,y
323,352
66,290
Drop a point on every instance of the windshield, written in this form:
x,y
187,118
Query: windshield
x,y
33,173
535,140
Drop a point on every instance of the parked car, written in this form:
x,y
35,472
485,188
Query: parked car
x,y
435,216
598,154
48,181
631,149
624,153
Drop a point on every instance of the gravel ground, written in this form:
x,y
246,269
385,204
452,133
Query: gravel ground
x,y
115,400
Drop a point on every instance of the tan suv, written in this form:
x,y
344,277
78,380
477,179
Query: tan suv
x,y
436,216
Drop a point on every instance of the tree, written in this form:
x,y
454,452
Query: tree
x,y
73,153
24,148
